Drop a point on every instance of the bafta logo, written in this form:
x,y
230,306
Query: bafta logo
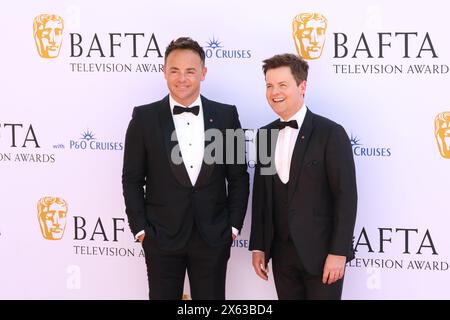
x,y
47,32
52,217
442,133
309,34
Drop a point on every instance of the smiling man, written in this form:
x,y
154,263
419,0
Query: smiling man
x,y
304,213
186,213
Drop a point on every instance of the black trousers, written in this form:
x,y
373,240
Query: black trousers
x,y
206,267
292,282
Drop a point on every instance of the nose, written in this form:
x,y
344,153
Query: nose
x,y
182,77
275,91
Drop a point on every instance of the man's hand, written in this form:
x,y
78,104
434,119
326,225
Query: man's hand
x,y
234,233
141,238
334,269
259,264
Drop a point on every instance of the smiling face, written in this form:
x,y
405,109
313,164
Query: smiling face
x,y
183,72
282,92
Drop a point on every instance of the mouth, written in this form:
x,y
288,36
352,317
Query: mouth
x,y
278,100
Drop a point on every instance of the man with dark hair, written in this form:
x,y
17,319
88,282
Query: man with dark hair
x,y
190,211
304,211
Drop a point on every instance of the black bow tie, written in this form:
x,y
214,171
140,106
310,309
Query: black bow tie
x,y
283,124
194,110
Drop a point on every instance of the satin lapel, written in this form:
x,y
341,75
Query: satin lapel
x,y
210,122
272,135
168,128
299,152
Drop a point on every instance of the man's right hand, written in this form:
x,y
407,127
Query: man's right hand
x,y
259,264
141,238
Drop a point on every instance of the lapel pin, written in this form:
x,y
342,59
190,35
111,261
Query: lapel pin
x,y
210,120
302,137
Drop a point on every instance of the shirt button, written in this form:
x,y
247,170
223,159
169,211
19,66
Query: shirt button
x,y
190,144
192,166
188,123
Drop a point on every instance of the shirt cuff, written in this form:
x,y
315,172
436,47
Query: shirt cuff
x,y
235,231
140,233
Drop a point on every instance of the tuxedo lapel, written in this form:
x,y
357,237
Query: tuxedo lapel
x,y
298,154
209,119
168,128
272,135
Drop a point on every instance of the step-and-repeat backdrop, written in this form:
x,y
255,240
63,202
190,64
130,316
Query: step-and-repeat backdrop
x,y
71,72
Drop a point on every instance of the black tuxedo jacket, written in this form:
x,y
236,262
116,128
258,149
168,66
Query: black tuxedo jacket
x,y
159,196
322,196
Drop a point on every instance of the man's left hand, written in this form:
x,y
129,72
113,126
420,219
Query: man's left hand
x,y
334,269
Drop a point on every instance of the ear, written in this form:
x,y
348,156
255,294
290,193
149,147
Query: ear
x,y
164,71
204,71
302,87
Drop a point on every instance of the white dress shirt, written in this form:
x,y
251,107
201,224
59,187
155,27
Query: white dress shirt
x,y
190,130
285,145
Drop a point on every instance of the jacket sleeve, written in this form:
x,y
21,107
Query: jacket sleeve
x,y
340,168
238,180
134,174
257,227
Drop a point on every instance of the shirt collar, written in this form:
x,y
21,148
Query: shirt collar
x,y
299,116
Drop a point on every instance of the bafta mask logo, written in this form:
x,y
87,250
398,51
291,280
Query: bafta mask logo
x,y
47,32
309,34
442,133
52,216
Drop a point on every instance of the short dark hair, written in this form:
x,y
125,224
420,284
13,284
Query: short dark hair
x,y
185,43
298,66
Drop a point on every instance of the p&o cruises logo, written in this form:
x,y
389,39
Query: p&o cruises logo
x,y
215,49
360,150
89,141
